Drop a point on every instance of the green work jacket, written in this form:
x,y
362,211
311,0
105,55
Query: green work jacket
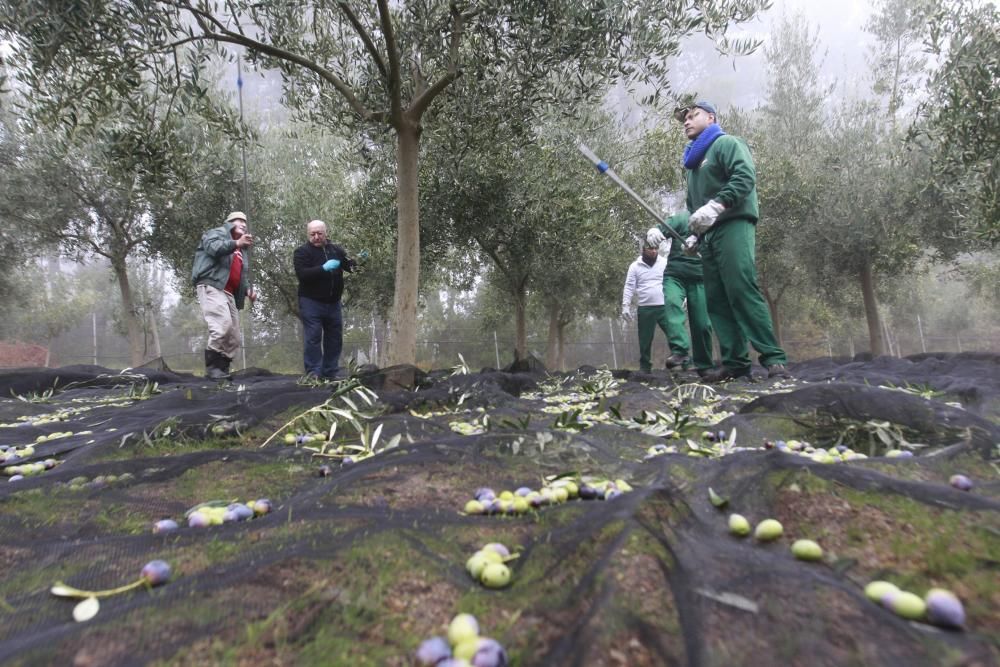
x,y
679,264
728,176
213,259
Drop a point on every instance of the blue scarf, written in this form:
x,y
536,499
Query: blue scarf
x,y
695,151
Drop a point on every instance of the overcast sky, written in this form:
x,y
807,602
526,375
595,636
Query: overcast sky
x,y
726,81
742,81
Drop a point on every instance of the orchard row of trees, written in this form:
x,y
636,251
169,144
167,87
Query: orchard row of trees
x,y
441,137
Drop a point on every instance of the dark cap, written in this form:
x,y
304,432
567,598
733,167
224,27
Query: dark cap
x,y
680,113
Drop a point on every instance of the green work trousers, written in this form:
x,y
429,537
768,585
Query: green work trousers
x,y
699,345
735,303
648,319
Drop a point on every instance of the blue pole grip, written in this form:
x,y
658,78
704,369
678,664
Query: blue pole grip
x,y
602,166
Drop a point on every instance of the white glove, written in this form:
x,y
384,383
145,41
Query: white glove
x,y
654,237
703,219
691,245
626,314
663,249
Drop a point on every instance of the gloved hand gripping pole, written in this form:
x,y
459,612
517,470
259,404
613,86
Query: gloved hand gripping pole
x,y
603,168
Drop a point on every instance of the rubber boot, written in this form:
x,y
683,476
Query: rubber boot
x,y
213,366
224,362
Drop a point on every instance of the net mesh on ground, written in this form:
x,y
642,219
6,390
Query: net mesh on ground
x,y
360,565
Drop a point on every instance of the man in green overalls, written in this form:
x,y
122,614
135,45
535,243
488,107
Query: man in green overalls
x,y
683,281
722,199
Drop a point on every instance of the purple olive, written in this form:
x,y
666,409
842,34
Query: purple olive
x,y
198,520
301,439
721,435
612,494
587,492
156,572
325,471
241,511
961,482
262,506
944,609
499,548
768,444
165,526
781,444
489,654
522,491
348,461
49,463
230,517
432,651
483,493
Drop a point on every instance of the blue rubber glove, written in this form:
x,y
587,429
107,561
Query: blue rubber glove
x,y
331,265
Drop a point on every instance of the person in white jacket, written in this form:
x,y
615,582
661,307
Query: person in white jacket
x,y
645,281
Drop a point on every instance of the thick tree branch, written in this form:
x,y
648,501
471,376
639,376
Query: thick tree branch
x,y
392,49
223,34
425,98
365,37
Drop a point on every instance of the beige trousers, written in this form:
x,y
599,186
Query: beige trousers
x,y
218,307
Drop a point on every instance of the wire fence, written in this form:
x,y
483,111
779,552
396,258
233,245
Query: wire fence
x,y
618,350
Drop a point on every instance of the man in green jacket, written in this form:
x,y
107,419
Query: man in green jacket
x,y
722,200
220,278
682,281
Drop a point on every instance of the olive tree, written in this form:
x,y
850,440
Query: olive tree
x,y
374,68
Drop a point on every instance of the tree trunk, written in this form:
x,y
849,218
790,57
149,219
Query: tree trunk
x,y
132,322
876,344
154,331
552,342
381,342
772,306
403,337
561,365
520,323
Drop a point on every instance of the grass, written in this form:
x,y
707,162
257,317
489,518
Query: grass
x,y
900,539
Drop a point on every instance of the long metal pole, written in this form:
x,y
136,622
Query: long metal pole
x,y
246,200
603,168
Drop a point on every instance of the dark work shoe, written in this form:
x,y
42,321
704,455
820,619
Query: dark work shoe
x,y
677,361
778,371
725,374
216,365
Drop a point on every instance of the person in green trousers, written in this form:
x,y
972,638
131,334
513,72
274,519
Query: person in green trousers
x,y
682,281
722,200
645,282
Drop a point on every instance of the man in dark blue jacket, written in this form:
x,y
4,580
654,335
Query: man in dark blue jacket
x,y
319,266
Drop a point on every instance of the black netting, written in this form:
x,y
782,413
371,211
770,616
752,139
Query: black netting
x,y
357,566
